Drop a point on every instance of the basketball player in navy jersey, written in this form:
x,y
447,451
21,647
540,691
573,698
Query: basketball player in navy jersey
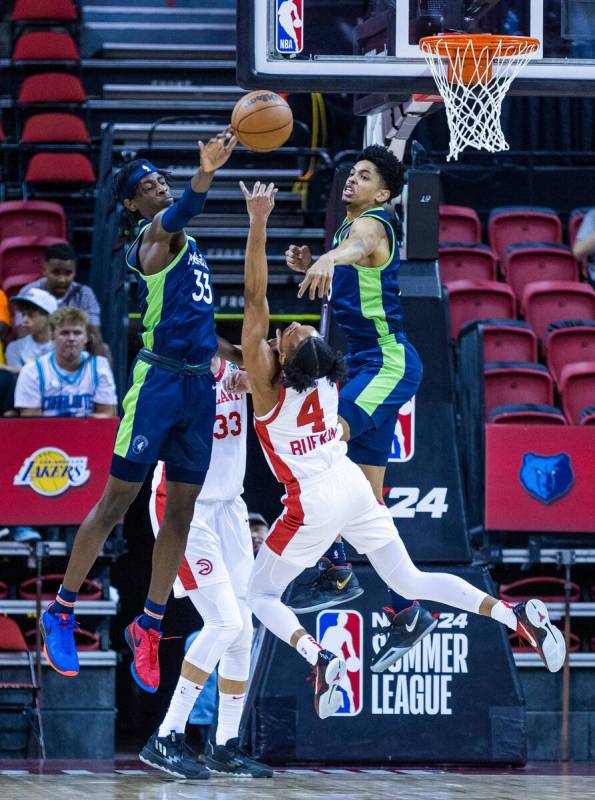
x,y
169,409
361,274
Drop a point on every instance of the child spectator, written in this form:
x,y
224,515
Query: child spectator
x,y
67,382
59,269
35,307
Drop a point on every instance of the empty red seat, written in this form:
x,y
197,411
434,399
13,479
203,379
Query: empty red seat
x,y
508,383
526,414
471,262
514,224
66,128
60,168
33,10
553,301
508,340
469,300
536,261
587,416
13,284
577,389
45,46
52,87
23,255
569,342
32,218
459,224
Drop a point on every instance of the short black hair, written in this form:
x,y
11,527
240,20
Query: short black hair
x,y
312,359
61,251
388,165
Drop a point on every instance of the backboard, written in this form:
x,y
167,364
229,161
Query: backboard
x,y
371,46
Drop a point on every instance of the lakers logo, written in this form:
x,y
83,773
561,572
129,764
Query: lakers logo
x,y
50,471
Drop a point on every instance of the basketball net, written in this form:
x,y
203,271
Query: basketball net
x,y
473,74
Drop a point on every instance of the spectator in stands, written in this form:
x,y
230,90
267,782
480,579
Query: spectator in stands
x,y
35,307
259,528
67,382
4,323
584,244
59,269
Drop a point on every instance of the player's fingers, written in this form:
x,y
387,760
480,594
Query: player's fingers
x,y
231,143
303,287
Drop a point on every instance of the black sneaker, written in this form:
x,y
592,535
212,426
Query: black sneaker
x,y
228,759
332,586
403,632
533,624
171,754
328,674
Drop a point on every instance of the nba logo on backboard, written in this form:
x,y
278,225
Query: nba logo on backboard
x,y
290,26
403,446
341,632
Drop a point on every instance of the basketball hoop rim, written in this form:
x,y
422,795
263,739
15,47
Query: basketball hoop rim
x,y
443,44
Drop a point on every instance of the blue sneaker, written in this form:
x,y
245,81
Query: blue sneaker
x,y
58,642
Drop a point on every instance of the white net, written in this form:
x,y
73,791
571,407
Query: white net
x,y
473,75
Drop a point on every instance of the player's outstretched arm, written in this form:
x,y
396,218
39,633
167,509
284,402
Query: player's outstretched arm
x,y
230,352
364,237
259,358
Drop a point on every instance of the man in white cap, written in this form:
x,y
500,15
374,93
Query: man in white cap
x,y
35,306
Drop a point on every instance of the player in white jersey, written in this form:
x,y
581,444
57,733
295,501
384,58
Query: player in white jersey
x,y
214,575
296,404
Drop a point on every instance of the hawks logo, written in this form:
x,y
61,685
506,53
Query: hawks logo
x,y
341,632
50,471
403,446
290,30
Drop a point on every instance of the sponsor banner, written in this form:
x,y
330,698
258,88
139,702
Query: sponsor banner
x,y
53,471
289,27
540,478
431,706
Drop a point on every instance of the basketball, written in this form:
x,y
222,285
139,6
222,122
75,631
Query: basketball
x,y
262,121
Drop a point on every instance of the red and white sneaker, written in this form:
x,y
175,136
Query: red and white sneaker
x,y
533,624
145,649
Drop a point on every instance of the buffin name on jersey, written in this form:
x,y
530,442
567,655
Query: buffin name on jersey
x,y
299,447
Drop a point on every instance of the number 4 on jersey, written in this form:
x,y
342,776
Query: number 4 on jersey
x,y
311,413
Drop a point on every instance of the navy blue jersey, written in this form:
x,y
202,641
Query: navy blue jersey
x,y
177,308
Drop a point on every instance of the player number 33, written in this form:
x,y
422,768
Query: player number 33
x,y
203,286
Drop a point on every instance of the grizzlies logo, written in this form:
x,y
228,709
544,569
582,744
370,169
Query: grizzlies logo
x,y
547,478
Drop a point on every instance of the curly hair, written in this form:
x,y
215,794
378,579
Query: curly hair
x,y
311,360
388,165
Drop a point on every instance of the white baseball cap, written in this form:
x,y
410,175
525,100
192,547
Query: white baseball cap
x,y
40,298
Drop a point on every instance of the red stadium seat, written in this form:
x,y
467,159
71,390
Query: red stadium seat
x,y
471,262
587,416
514,224
547,589
553,301
23,255
526,414
45,46
569,342
60,168
470,300
508,340
32,218
507,383
577,389
531,262
34,10
13,284
65,128
459,224
52,87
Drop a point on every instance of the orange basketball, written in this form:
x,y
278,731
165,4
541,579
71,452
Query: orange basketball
x,y
262,121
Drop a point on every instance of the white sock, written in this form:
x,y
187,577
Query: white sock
x,y
309,648
502,612
228,719
182,701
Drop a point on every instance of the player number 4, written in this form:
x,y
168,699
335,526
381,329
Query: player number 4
x,y
311,413
433,503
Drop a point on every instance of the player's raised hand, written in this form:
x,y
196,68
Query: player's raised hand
x,y
297,258
216,151
237,381
319,278
261,200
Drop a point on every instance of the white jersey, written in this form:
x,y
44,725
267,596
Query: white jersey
x,y
225,476
42,384
301,435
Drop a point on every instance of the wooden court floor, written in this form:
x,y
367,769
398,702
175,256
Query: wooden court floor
x,y
131,784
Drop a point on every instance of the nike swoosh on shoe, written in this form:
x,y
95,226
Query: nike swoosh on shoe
x,y
413,624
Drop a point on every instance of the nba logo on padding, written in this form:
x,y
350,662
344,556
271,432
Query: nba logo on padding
x,y
403,446
341,632
290,28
